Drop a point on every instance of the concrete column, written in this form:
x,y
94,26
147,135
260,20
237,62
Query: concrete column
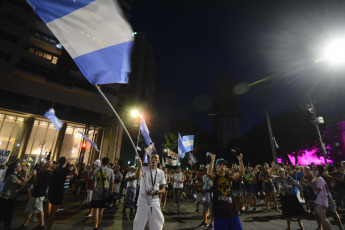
x,y
59,141
22,139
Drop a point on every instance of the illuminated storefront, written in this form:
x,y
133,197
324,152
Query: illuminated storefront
x,y
29,136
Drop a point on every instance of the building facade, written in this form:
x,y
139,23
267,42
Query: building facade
x,y
227,116
36,74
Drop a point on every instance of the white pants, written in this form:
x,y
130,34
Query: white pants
x,y
154,219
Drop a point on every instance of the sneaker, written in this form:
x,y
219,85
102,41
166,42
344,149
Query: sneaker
x,y
196,211
277,210
89,215
210,227
202,225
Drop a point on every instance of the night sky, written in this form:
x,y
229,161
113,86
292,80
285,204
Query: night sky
x,y
194,41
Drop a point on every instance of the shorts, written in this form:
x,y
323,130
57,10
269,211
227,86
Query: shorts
x,y
34,205
233,223
236,193
269,187
252,189
207,207
98,204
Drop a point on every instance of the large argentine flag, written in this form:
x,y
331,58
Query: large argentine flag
x,y
94,33
188,142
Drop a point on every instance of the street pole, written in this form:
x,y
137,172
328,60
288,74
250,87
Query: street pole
x,y
312,110
274,154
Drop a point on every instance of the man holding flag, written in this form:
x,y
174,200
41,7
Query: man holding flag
x,y
152,185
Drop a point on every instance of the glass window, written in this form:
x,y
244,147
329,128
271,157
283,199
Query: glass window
x,y
42,139
54,60
9,128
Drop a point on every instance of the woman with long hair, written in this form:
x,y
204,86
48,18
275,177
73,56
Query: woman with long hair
x,y
8,193
291,207
318,184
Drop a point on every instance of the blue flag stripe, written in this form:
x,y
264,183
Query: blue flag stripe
x,y
102,66
49,10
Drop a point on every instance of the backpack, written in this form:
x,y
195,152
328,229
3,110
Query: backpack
x,y
309,194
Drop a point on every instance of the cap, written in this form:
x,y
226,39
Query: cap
x,y
132,167
221,160
97,163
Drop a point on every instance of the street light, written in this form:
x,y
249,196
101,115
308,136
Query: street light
x,y
135,113
335,51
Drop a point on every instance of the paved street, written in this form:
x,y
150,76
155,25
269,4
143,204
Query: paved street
x,y
72,217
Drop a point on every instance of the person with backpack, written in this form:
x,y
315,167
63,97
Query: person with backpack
x,y
104,185
291,207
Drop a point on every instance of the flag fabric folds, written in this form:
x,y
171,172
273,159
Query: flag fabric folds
x,y
192,159
145,131
50,114
188,142
94,33
89,140
181,150
172,154
172,162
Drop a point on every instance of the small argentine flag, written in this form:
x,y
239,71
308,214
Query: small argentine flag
x,y
94,33
89,140
50,114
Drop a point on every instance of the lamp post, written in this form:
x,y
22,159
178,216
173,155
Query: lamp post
x,y
315,121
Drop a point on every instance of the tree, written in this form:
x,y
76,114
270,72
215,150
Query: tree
x,y
203,141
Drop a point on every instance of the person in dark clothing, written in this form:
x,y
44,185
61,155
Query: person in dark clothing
x,y
224,208
35,203
56,188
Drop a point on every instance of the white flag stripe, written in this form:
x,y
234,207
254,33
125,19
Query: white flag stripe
x,y
188,143
90,20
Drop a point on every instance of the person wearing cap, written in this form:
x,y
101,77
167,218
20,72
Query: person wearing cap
x,y
104,185
130,190
224,208
152,185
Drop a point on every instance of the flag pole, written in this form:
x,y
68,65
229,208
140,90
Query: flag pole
x,y
123,125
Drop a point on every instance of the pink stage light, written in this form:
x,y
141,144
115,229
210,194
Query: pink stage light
x,y
307,158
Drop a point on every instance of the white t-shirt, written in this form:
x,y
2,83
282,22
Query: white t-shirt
x,y
147,178
178,177
131,183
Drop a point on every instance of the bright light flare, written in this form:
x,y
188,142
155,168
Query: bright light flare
x,y
134,113
335,51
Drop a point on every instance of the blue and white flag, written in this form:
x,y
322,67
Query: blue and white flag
x,y
192,159
89,140
188,142
145,158
50,114
94,33
181,150
145,131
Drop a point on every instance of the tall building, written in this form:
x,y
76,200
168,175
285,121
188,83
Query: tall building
x,y
36,73
227,115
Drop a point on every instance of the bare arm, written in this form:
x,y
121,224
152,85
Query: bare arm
x,y
238,175
210,172
138,173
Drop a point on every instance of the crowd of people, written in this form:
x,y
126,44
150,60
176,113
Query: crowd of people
x,y
220,190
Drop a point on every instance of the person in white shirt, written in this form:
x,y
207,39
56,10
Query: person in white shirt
x,y
178,180
130,191
152,185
